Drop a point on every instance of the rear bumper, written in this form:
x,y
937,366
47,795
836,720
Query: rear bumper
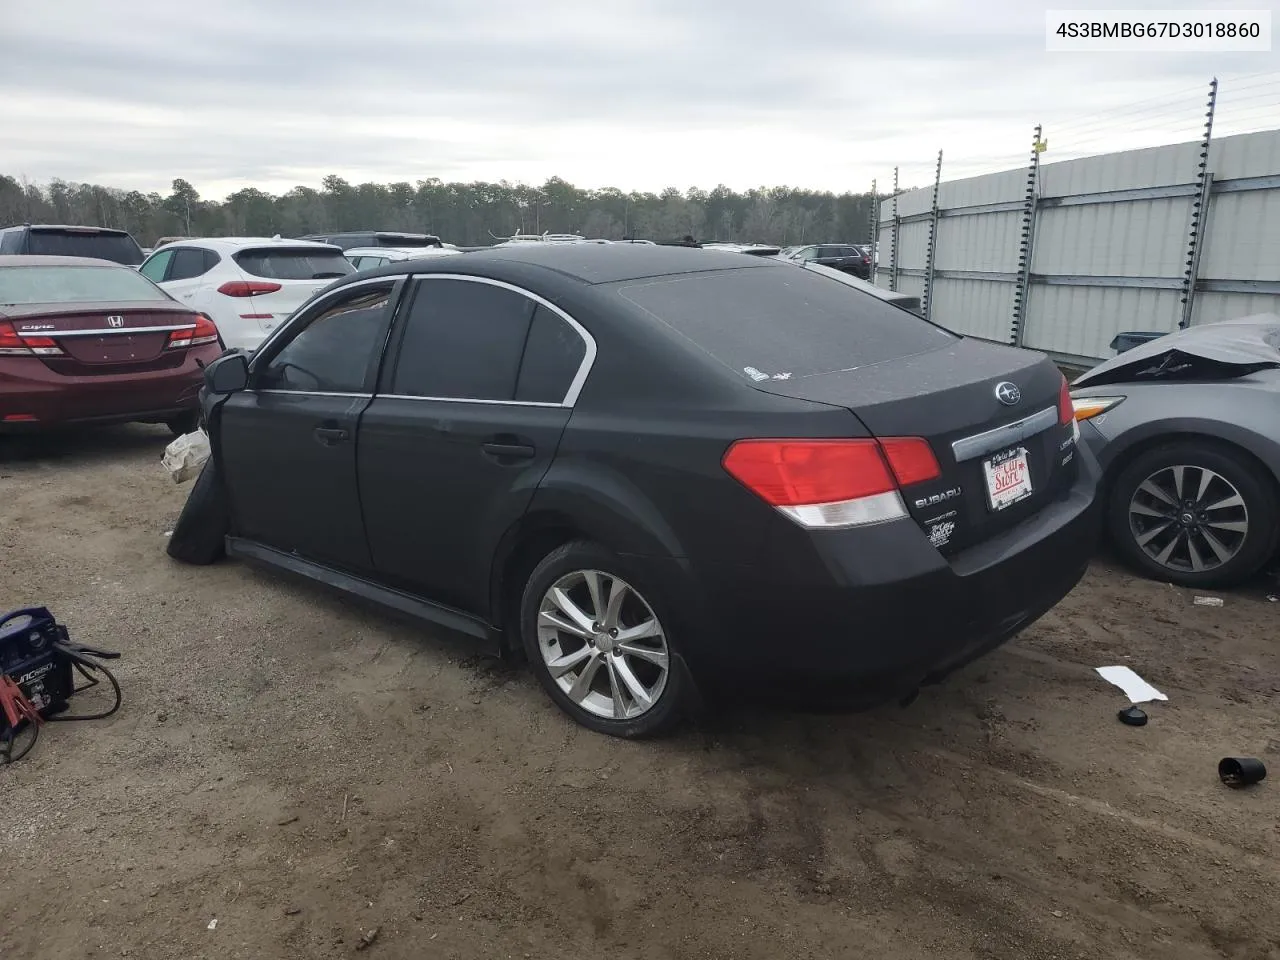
x,y
866,616
43,398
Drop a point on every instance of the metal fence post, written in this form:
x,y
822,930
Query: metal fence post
x,y
893,237
1029,206
873,232
931,250
1199,213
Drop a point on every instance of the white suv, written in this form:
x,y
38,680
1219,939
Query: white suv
x,y
248,285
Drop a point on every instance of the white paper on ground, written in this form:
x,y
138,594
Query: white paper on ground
x,y
1134,687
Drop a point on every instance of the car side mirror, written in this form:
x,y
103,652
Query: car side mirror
x,y
227,374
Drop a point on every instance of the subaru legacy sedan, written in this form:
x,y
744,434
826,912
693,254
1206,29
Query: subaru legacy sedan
x,y
653,470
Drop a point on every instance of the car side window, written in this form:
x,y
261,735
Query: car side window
x,y
338,349
188,262
156,266
10,241
462,340
807,253
553,353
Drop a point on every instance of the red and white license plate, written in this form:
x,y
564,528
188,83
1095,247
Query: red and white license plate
x,y
1008,478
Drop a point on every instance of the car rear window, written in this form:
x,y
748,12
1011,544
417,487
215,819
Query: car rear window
x,y
294,264
118,247
75,285
401,240
779,322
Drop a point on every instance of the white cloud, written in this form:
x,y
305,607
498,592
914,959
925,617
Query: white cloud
x,y
628,93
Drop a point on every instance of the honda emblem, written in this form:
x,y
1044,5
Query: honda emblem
x,y
115,321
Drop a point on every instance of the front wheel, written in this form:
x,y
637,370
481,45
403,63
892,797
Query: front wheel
x,y
598,639
1195,513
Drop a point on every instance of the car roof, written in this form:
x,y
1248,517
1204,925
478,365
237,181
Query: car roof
x,y
77,227
589,263
232,244
19,260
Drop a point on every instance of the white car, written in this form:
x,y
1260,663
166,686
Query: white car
x,y
247,285
366,258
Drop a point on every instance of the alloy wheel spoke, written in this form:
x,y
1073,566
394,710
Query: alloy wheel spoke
x,y
1179,482
617,594
570,609
1151,489
1220,549
615,685
565,663
1206,478
593,587
1142,510
1197,561
560,623
1234,500
622,671
582,685
641,631
1163,556
657,657
1231,526
1154,532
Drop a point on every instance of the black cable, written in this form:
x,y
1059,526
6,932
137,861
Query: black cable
x,y
83,666
6,754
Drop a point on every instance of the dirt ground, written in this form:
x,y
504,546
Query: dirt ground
x,y
305,772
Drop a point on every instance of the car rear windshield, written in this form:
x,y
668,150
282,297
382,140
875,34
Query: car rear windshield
x,y
117,247
75,285
402,240
295,264
779,322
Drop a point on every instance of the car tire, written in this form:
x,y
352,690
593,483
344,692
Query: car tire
x,y
184,424
199,536
1241,538
651,660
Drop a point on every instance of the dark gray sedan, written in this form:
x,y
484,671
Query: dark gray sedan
x,y
1187,431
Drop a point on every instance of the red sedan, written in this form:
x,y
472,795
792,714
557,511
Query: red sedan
x,y
90,341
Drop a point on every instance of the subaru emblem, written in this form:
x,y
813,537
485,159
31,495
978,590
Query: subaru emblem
x,y
115,321
1008,393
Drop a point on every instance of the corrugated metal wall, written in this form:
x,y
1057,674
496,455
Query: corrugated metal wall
x,y
1103,262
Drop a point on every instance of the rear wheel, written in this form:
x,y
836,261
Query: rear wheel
x,y
596,636
1195,513
199,536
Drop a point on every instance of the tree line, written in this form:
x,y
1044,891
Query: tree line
x,y
468,214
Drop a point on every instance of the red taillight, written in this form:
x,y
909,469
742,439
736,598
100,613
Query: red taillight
x,y
912,459
13,344
204,332
832,483
247,288
792,473
1066,409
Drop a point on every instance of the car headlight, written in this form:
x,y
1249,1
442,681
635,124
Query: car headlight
x,y
1087,408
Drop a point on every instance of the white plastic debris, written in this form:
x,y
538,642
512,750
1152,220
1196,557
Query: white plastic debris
x,y
213,924
185,456
1134,687
1207,601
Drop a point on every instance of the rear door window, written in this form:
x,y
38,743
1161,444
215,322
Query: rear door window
x,y
338,349
118,247
553,353
463,340
768,322
188,262
297,263
11,241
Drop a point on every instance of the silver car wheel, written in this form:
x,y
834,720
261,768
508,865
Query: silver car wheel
x,y
603,645
1188,518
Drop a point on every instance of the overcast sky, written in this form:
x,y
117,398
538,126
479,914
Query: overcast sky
x,y
639,94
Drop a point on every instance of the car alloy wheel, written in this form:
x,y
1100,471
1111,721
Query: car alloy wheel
x,y
1188,518
603,645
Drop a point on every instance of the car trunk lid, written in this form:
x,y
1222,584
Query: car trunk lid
x,y
101,338
1000,460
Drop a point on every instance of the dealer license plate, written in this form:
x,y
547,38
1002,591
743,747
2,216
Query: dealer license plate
x,y
1008,478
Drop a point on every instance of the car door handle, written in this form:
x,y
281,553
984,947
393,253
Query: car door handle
x,y
509,451
331,435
